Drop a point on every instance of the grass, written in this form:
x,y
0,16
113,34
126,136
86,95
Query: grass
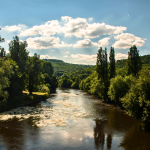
x,y
24,99
35,93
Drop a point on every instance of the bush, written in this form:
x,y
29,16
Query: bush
x,y
137,101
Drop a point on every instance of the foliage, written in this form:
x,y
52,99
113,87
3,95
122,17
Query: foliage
x,y
6,71
119,86
112,63
35,76
102,70
133,64
2,51
137,101
61,67
65,81
75,84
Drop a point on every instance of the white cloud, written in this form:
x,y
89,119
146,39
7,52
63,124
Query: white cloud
x,y
53,50
84,57
45,43
13,28
126,40
84,43
90,19
119,56
65,56
67,52
46,57
96,29
80,28
103,42
65,18
49,28
74,26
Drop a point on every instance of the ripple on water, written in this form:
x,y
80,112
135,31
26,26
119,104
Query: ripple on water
x,y
59,115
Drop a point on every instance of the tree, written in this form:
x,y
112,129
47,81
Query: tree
x,y
6,71
19,54
112,63
102,69
35,76
2,51
49,77
133,64
137,100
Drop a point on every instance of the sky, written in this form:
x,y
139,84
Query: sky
x,y
73,31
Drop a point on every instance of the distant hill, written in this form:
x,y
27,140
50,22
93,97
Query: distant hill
x,y
61,67
145,60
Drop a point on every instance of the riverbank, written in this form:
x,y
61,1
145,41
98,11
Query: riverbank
x,y
25,99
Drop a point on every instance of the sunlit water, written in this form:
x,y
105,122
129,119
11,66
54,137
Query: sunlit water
x,y
68,120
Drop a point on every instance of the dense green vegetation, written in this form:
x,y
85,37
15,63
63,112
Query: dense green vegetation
x,y
61,67
20,72
125,82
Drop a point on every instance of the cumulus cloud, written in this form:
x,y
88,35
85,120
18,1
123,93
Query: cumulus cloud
x,y
96,29
65,56
49,28
46,42
119,56
90,19
126,40
46,57
74,26
84,57
84,43
67,52
13,28
80,28
71,27
103,42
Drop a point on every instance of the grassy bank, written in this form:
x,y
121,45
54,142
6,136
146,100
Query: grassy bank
x,y
24,99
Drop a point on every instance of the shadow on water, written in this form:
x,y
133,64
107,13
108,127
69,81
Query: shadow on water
x,y
13,134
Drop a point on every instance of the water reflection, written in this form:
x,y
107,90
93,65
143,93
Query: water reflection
x,y
135,139
99,135
107,129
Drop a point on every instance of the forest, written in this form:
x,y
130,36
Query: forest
x,y
23,79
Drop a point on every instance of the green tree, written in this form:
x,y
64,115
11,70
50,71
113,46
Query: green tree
x,y
133,64
49,77
6,71
19,54
2,51
102,70
137,100
119,86
35,76
75,84
112,63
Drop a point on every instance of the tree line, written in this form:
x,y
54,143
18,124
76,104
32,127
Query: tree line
x,y
129,89
20,72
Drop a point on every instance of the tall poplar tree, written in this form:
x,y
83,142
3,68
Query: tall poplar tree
x,y
102,70
112,63
134,63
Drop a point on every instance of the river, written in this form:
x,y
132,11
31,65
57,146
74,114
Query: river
x,y
69,120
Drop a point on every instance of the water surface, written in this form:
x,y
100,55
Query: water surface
x,y
72,119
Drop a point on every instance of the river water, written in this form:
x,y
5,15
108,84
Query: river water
x,y
70,120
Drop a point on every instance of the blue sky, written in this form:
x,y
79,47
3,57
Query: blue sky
x,y
73,31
